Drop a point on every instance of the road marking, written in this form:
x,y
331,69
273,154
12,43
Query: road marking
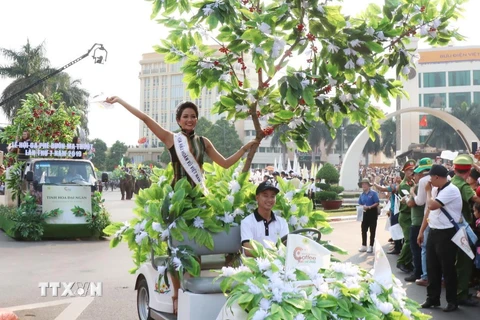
x,y
73,311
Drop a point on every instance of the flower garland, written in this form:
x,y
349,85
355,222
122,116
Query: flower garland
x,y
182,211
265,289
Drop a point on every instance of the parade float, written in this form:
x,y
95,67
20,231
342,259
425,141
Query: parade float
x,y
44,198
276,63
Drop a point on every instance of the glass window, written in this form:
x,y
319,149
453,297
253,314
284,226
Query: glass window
x,y
476,77
419,100
434,79
476,97
435,100
456,99
60,172
458,78
419,80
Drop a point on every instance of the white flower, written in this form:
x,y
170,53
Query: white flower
x,y
227,218
320,8
172,225
380,35
406,70
263,264
370,31
348,24
423,30
198,222
260,314
170,194
355,43
157,226
265,28
303,220
161,180
432,34
372,82
295,123
137,228
250,97
206,64
265,304
437,23
289,195
350,65
375,288
259,50
278,45
384,307
299,317
241,108
238,212
230,198
293,208
225,77
194,50
332,48
336,108
207,10
234,186
254,289
139,237
165,234
170,207
305,83
332,81
293,221
177,263
360,61
161,269
302,42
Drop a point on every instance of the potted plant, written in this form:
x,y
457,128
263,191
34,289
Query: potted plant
x,y
330,192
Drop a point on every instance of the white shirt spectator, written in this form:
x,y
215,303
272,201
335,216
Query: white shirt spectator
x,y
421,197
254,227
451,199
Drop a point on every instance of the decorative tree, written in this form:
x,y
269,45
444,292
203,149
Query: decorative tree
x,y
310,61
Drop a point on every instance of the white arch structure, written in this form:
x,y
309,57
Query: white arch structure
x,y
350,166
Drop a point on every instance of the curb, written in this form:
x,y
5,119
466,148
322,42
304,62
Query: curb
x,y
344,218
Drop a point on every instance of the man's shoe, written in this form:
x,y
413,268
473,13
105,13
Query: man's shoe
x,y
404,268
363,249
468,302
421,282
450,307
429,303
370,249
411,278
393,252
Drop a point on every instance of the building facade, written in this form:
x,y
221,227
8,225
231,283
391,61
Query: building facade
x,y
448,77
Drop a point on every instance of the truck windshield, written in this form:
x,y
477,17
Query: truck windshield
x,y
63,172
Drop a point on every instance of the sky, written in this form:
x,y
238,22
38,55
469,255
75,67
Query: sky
x,y
70,28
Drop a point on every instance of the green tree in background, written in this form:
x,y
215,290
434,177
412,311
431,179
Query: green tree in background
x,y
99,160
30,64
224,137
115,155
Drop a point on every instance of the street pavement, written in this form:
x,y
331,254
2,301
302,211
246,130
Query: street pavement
x,y
23,265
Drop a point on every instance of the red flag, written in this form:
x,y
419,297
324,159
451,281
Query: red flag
x,y
142,140
423,122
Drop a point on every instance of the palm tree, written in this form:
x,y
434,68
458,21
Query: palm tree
x,y
29,65
388,143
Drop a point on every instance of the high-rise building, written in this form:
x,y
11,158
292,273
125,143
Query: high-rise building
x,y
162,89
447,77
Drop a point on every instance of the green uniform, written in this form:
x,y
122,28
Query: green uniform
x,y
405,221
464,264
417,213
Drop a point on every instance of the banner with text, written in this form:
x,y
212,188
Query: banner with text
x,y
65,198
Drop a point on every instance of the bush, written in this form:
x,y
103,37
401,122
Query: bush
x,y
326,195
337,189
329,174
323,186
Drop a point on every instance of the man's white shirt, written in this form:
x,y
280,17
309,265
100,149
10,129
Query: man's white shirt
x,y
254,227
451,199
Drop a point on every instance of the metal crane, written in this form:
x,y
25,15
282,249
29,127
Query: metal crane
x,y
97,59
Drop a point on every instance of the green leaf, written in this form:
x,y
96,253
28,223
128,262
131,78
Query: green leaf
x,y
375,47
228,102
291,99
285,114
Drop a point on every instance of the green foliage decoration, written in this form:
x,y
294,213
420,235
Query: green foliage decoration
x,y
183,212
295,62
99,218
29,222
330,175
265,289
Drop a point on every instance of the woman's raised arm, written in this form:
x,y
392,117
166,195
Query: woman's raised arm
x,y
165,136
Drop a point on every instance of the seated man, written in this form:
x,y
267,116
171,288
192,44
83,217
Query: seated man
x,y
263,224
72,175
